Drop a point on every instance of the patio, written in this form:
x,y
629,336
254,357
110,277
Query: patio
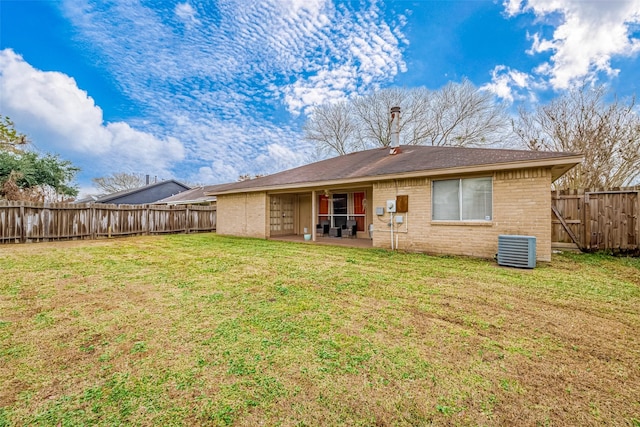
x,y
333,241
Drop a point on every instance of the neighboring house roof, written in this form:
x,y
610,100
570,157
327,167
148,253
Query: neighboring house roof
x,y
142,195
88,199
191,197
412,161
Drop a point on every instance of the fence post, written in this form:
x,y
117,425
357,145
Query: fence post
x,y
188,220
23,231
587,221
45,221
637,218
109,222
92,222
148,219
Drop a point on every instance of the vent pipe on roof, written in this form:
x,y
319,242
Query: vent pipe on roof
x,y
395,130
147,180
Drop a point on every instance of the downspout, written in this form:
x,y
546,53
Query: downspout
x,y
391,223
395,149
313,215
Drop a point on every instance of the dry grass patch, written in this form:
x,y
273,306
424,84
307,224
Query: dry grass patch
x,y
207,330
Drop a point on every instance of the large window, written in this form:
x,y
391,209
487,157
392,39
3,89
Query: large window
x,y
462,200
339,202
340,207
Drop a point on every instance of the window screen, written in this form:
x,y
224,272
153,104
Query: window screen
x,y
467,199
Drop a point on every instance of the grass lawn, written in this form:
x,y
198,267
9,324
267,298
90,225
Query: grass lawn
x,y
207,330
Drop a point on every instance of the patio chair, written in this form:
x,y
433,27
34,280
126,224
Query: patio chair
x,y
322,229
350,229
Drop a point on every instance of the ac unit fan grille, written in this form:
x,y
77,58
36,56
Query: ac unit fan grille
x,y
517,251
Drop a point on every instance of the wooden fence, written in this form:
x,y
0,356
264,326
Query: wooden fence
x,y
587,219
594,220
22,222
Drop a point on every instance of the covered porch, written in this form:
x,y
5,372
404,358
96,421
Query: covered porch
x,y
331,213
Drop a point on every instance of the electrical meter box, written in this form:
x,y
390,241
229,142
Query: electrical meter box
x,y
391,206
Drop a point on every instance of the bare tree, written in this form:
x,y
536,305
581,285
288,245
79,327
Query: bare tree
x,y
332,128
581,121
248,177
457,115
119,181
463,115
372,115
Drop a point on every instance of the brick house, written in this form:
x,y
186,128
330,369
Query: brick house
x,y
448,200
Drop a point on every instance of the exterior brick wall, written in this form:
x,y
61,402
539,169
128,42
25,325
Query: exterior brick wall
x,y
530,213
521,205
243,215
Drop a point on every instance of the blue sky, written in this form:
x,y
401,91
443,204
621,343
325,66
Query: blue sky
x,y
203,91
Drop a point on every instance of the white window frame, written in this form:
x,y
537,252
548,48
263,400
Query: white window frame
x,y
487,218
350,208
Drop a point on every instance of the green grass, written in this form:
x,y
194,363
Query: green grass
x,y
207,330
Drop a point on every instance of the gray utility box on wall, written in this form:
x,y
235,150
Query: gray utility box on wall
x,y
517,251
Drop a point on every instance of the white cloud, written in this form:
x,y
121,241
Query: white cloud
x,y
219,171
509,84
294,7
187,14
512,7
327,85
232,148
280,157
588,36
220,84
274,158
539,45
54,112
292,44
364,52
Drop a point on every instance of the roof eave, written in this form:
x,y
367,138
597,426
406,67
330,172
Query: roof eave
x,y
559,166
184,202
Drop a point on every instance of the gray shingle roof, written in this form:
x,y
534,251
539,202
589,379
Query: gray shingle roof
x,y
195,195
151,192
369,164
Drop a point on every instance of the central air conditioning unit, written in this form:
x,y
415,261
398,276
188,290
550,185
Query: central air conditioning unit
x,y
517,251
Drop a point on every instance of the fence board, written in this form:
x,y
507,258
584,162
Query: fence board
x,y
570,205
11,223
599,219
201,218
37,222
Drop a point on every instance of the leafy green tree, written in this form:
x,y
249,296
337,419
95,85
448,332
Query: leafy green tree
x,y
27,175
10,138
